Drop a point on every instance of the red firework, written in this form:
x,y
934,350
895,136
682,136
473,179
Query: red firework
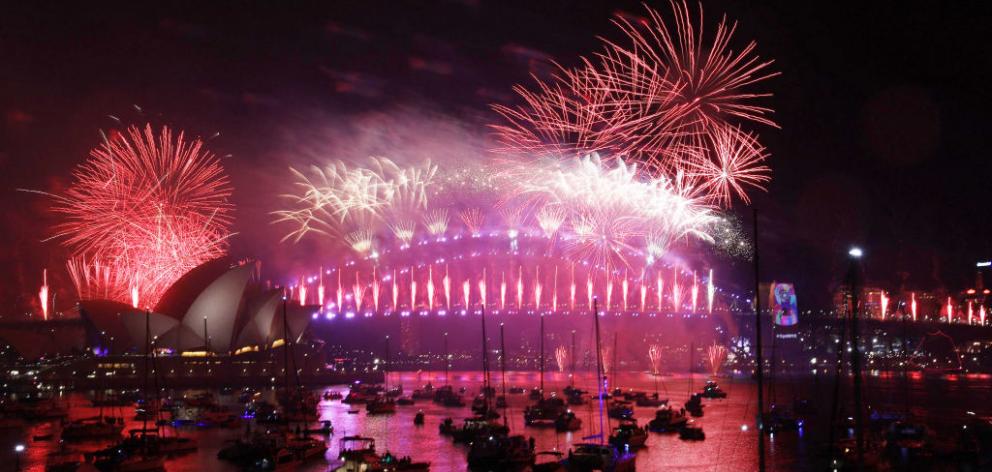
x,y
666,97
143,210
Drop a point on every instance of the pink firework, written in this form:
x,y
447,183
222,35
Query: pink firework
x,y
666,95
43,294
561,357
715,355
654,358
143,210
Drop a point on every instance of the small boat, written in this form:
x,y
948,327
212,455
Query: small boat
x,y
620,410
355,397
689,432
405,401
380,406
544,412
474,428
418,419
332,395
628,435
712,390
326,428
516,390
305,447
426,393
778,419
536,394
500,452
650,401
217,416
695,405
353,412
667,420
91,428
43,437
501,402
447,427
567,421
358,454
604,457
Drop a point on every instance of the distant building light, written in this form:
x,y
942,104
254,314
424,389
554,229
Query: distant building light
x,y
984,264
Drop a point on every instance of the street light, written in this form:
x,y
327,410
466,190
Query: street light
x,y
18,449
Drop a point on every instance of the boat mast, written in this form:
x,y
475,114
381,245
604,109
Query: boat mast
x,y
856,363
571,380
144,417
616,365
600,378
285,348
542,355
757,342
447,359
502,367
385,367
485,362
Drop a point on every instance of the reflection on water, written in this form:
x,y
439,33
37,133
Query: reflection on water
x,y
729,423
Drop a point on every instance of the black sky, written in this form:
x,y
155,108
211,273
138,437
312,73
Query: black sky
x,y
883,107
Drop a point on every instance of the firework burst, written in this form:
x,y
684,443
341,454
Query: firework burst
x,y
144,209
715,355
654,358
665,96
561,358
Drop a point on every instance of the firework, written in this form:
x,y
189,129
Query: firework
x,y
611,208
403,230
344,201
436,221
654,358
143,210
550,218
43,294
473,219
715,355
561,357
665,96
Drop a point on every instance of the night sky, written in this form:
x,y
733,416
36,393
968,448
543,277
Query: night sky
x,y
883,108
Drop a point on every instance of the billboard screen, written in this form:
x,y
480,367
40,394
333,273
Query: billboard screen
x,y
782,299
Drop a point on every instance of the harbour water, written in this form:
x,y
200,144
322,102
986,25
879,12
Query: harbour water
x,y
730,443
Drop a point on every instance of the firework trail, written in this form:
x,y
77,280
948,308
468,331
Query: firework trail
x,y
43,294
654,358
715,355
561,357
473,219
143,210
436,221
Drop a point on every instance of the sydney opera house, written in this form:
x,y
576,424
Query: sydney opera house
x,y
217,322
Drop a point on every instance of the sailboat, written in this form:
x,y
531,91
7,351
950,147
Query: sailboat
x,y
546,410
383,403
602,455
